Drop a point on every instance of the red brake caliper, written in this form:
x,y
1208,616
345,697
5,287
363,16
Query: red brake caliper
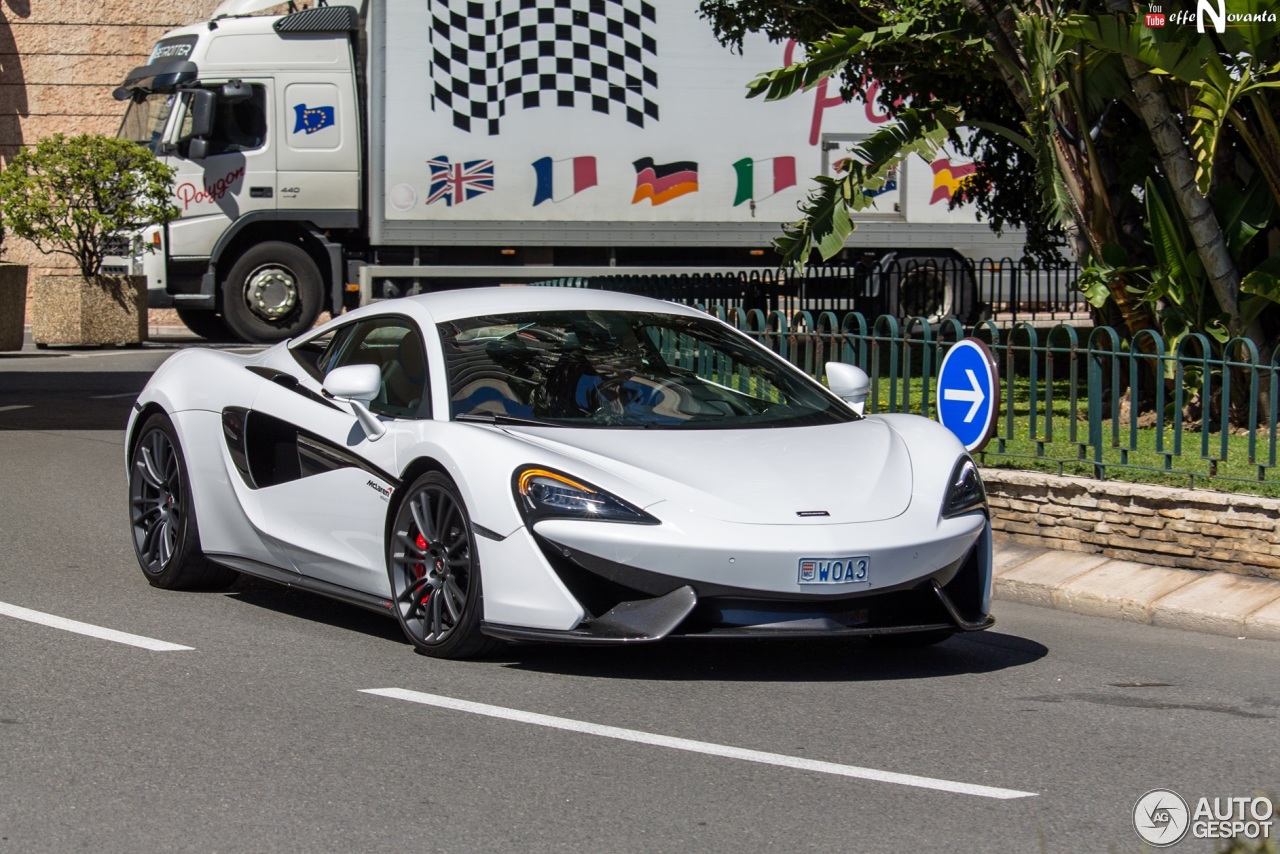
x,y
420,569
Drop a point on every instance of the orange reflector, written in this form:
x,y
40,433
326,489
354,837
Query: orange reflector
x,y
353,288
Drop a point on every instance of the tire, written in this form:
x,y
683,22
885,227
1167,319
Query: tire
x,y
272,292
435,571
205,323
933,287
912,640
162,517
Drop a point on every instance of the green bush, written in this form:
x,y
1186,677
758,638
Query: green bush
x,y
70,195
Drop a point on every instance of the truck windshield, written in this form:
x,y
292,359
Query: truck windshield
x,y
145,119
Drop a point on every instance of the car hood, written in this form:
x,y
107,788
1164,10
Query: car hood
x,y
855,472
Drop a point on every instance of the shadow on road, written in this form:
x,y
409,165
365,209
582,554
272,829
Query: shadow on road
x,y
843,660
682,659
310,606
68,400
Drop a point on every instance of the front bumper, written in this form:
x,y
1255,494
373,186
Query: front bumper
x,y
624,604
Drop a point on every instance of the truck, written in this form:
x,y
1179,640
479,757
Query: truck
x,y
324,155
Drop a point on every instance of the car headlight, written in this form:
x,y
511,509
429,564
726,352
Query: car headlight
x,y
965,491
542,493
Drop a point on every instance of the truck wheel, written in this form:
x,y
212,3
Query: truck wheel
x,y
273,292
205,323
933,287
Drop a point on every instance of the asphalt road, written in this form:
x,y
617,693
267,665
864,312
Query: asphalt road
x,y
260,737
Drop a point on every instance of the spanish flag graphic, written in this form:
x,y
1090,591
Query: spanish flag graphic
x,y
662,182
948,178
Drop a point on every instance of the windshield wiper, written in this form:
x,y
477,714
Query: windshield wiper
x,y
495,418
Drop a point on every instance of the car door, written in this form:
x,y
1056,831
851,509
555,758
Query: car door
x,y
324,483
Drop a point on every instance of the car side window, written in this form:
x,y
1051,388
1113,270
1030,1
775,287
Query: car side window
x,y
395,345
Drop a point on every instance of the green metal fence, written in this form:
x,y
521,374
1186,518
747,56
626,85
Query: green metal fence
x,y
1067,393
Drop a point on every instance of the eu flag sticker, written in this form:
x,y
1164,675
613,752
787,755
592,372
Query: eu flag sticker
x,y
312,119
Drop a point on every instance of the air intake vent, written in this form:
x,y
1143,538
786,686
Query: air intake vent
x,y
323,19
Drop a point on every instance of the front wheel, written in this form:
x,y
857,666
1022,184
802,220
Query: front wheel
x,y
435,571
166,538
272,292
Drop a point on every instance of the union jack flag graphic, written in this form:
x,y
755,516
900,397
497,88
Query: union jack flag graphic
x,y
457,182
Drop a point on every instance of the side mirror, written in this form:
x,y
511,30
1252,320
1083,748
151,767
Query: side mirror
x,y
850,383
356,385
200,109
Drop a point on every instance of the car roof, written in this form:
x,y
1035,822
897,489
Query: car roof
x,y
440,306
470,302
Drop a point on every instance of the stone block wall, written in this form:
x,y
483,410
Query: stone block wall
x,y
1191,529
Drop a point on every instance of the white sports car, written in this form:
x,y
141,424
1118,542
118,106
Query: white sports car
x,y
557,464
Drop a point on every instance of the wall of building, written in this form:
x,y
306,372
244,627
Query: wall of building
x,y
59,62
1183,528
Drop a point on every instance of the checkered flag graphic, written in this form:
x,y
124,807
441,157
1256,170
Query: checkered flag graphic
x,y
492,54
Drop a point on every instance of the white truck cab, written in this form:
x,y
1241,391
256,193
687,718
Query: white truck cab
x,y
261,125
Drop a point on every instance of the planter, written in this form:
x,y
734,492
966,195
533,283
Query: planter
x,y
69,310
13,305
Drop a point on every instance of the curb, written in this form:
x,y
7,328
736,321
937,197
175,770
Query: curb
x,y
1219,603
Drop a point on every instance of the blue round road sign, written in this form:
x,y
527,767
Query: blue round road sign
x,y
969,393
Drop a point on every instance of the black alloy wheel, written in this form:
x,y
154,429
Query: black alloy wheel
x,y
163,520
435,572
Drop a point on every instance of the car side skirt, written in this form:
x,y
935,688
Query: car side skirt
x,y
288,578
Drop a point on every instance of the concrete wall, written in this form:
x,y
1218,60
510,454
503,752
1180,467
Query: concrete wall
x,y
1190,529
59,61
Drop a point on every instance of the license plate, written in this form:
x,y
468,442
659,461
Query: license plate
x,y
835,570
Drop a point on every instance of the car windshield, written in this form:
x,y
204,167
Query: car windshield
x,y
624,369
145,119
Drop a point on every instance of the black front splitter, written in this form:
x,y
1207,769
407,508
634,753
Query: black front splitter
x,y
648,620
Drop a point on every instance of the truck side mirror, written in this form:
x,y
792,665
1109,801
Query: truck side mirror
x,y
850,383
200,109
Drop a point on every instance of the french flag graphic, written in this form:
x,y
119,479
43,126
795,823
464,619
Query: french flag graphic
x,y
760,179
560,179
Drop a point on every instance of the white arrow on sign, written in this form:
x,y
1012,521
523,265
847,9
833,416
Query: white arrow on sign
x,y
973,396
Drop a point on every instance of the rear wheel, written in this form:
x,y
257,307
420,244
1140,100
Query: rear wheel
x,y
272,292
435,572
166,539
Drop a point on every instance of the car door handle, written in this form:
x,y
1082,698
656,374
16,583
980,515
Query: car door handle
x,y
261,192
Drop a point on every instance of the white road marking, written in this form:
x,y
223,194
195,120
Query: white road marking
x,y
114,396
699,746
88,629
15,406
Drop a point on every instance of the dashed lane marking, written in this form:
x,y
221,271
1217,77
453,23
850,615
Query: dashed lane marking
x,y
20,613
15,406
704,747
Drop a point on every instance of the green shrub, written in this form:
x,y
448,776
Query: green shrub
x,y
69,195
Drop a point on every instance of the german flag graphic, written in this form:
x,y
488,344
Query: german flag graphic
x,y
662,182
948,178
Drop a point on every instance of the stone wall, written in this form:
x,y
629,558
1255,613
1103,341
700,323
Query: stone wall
x,y
1191,529
59,61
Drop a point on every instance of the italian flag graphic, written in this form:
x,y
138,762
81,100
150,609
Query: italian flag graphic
x,y
760,179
